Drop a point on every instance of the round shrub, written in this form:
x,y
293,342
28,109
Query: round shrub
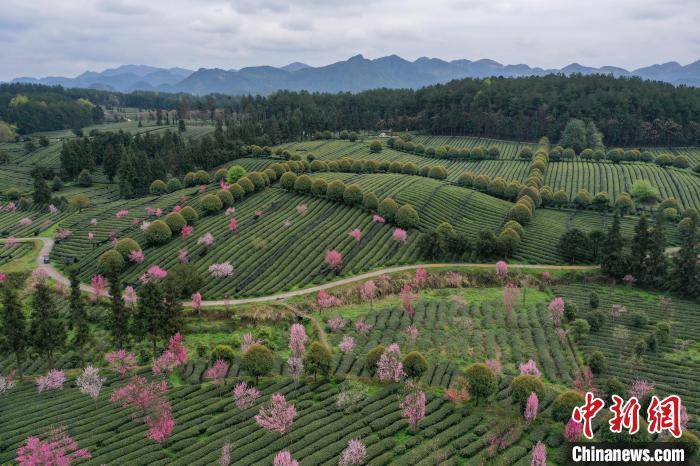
x,y
175,221
596,320
303,184
388,208
438,172
12,194
173,185
407,217
111,261
220,174
211,203
246,184
336,189
189,179
466,180
370,201
225,196
319,187
318,359
521,387
257,361
85,179
561,198
158,187
158,232
287,181
372,359
638,319
189,214
125,246
415,364
271,175
352,195
258,180
597,362
515,226
278,168
520,213
375,146
564,404
482,381
570,310
582,199
201,177
224,352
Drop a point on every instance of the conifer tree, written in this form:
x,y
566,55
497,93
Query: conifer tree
x,y
119,323
613,261
655,266
14,325
42,191
47,332
78,316
685,277
640,247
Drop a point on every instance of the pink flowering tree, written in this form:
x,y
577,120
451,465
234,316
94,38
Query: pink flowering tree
x,y
121,213
297,347
173,357
223,270
617,310
334,260
361,326
629,280
57,449
225,458
531,407
539,455
407,298
63,233
243,396
207,239
413,405
389,366
368,291
356,234
99,287
421,277
302,209
355,454
501,270
121,362
347,344
641,389
233,225
325,300
186,231
217,372
277,415
137,256
25,222
183,256
400,235
573,430
494,365
248,341
129,296
336,323
148,399
7,383
53,380
197,302
90,382
411,333
510,297
154,272
556,309
378,219
284,458
530,368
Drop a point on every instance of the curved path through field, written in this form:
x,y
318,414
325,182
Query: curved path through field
x,y
58,276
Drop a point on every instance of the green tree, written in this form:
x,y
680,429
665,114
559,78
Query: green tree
x,y
655,265
415,364
574,135
685,275
78,316
640,247
118,319
257,361
42,191
85,179
613,261
575,246
14,325
317,359
375,147
158,313
482,381
47,332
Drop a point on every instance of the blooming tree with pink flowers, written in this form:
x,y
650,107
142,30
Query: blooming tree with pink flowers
x,y
421,276
407,298
413,405
411,333
137,256
556,309
284,458
573,430
355,454
233,225
149,401
243,396
640,389
302,209
25,222
53,380
378,219
57,449
336,323
400,235
361,326
325,300
531,407
501,269
494,365
368,291
90,382
334,260
347,344
510,297
223,270
186,231
121,361
277,415
121,213
539,455
197,301
183,256
173,357
248,341
207,239
389,366
356,234
529,368
217,372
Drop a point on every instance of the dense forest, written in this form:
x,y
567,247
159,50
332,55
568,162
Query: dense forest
x,y
628,111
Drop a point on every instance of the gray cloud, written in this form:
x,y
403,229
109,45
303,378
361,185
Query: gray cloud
x,y
67,37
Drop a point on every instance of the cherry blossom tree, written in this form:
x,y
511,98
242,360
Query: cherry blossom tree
x,y
640,389
223,270
197,301
53,380
137,256
629,280
154,272
297,339
510,297
129,296
573,430
400,235
617,310
347,344
556,308
277,415
411,333
325,300
207,239
174,356
90,236
243,396
334,260
3,277
545,276
421,276
336,323
230,211
121,213
501,269
52,209
63,233
150,404
233,225
225,458
531,407
121,362
361,326
539,455
407,297
389,366
7,383
562,335
90,382
25,222
99,287
413,405
368,291
11,242
355,454
186,231
356,234
302,209
217,372
57,449
378,219
248,341
530,368
183,256
287,223
284,458
494,365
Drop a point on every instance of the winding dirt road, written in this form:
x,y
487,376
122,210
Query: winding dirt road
x,y
58,276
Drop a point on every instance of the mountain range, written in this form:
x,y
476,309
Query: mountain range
x,y
353,75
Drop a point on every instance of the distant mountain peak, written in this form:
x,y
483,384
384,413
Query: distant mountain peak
x,y
295,66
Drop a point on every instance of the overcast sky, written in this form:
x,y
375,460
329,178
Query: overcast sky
x,y
67,37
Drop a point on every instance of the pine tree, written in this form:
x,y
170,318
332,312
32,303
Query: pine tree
x,y
685,277
119,321
613,261
78,316
158,313
640,248
42,191
47,332
14,325
655,265
110,162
